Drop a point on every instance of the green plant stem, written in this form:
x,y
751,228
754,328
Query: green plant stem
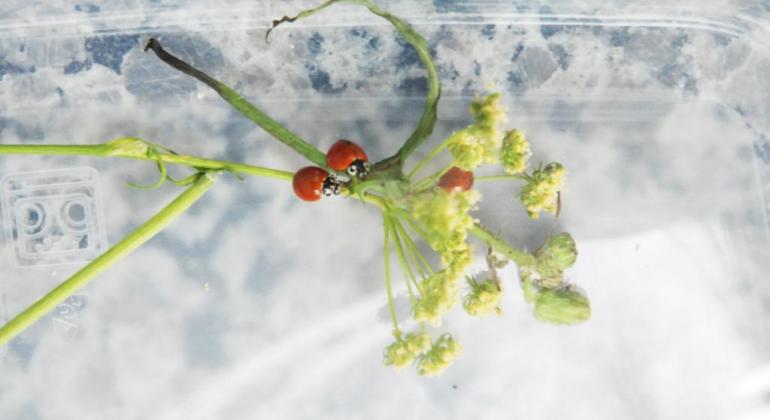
x,y
239,168
403,260
521,258
389,289
429,181
428,118
429,157
243,106
103,150
128,244
419,260
501,178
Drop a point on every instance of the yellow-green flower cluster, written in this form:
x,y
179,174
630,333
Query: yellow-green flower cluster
x,y
446,218
457,259
440,356
479,142
405,350
483,298
515,152
541,192
438,295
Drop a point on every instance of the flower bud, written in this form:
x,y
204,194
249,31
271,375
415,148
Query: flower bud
x,y
562,306
558,254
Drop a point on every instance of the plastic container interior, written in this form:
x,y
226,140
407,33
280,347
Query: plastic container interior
x,y
255,305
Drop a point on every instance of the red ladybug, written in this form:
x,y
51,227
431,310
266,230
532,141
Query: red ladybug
x,y
311,182
456,179
344,155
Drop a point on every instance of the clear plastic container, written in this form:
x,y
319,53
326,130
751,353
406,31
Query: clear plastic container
x,y
255,305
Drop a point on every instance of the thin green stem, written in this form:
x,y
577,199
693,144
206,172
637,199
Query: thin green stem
x,y
529,293
55,149
428,118
403,260
412,224
104,150
243,106
520,257
410,248
161,179
429,181
427,158
388,228
419,260
128,244
501,178
238,168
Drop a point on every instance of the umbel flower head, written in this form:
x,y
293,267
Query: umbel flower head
x,y
479,142
483,298
515,152
541,192
406,349
438,295
440,356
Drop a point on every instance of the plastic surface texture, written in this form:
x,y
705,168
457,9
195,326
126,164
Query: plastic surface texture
x,y
54,217
258,305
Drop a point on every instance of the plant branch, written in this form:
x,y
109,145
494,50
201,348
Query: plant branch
x,y
520,257
104,150
128,244
242,105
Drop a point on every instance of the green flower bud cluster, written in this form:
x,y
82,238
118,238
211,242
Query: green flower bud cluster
x,y
543,283
541,192
515,153
480,142
558,254
444,351
483,298
551,260
562,306
405,350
